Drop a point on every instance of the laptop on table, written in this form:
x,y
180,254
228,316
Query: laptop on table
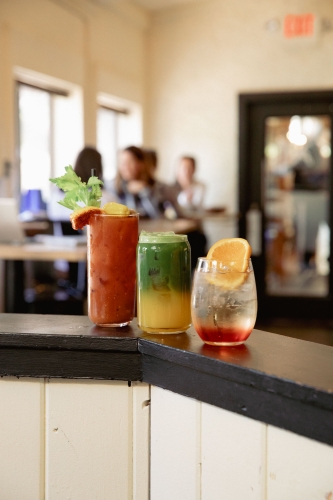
x,y
11,230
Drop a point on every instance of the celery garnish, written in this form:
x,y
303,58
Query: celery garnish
x,y
78,194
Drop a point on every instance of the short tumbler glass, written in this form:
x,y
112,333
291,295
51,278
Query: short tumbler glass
x,y
224,301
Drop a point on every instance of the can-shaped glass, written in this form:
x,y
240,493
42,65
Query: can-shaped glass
x,y
163,282
112,241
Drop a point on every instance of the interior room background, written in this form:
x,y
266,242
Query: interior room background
x,y
178,67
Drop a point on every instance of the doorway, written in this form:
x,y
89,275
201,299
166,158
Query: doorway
x,y
285,199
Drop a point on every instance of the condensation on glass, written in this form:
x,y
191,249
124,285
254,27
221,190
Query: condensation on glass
x,y
296,204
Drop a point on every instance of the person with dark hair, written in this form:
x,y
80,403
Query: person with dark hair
x,y
136,187
74,274
89,158
190,192
151,159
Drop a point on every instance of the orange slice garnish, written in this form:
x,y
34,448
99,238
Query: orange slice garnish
x,y
81,217
234,253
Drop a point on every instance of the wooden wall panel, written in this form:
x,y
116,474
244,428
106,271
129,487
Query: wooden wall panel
x,y
86,440
199,451
21,439
298,468
89,440
175,446
233,456
141,440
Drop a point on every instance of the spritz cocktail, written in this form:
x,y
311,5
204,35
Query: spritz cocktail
x,y
224,301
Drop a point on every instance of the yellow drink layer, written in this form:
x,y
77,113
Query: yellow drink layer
x,y
167,311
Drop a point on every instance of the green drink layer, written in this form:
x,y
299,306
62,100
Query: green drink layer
x,y
163,261
164,281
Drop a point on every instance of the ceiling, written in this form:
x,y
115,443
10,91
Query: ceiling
x,y
159,4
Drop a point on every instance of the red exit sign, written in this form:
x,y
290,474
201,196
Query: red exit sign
x,y
299,25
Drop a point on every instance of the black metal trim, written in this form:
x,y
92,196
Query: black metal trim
x,y
264,405
47,363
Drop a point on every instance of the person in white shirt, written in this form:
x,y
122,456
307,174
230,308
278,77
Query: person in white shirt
x,y
190,192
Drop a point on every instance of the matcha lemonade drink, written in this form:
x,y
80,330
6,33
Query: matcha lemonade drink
x,y
164,282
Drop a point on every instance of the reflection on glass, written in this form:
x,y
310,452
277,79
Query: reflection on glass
x,y
297,233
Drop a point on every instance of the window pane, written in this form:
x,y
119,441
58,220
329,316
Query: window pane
x,y
107,141
34,120
67,133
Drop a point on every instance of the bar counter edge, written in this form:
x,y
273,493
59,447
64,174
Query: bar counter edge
x,y
278,380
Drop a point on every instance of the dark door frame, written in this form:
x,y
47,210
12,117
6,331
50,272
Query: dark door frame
x,y
253,109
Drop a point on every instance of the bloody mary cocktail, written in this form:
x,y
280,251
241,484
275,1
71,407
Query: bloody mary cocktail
x,y
112,241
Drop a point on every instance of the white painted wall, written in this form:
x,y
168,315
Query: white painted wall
x,y
201,56
98,49
184,66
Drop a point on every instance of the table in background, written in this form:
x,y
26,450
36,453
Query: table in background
x,y
12,258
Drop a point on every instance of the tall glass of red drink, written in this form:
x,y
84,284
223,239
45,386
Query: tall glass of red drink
x,y
112,241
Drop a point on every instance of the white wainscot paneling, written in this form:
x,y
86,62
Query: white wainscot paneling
x,y
233,456
91,436
21,439
298,468
199,451
175,446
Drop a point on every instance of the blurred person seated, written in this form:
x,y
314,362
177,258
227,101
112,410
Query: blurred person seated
x,y
90,159
71,276
136,186
190,192
151,158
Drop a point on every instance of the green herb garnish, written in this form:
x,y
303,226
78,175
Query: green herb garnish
x,y
78,193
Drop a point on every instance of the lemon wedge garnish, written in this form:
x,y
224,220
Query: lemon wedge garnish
x,y
113,208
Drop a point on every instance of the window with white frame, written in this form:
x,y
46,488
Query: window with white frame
x,y
119,124
49,136
108,139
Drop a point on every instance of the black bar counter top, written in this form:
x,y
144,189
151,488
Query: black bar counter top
x,y
278,380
